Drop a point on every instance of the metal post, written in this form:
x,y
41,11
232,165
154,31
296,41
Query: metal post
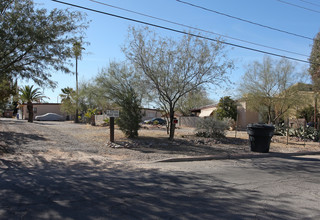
x,y
112,129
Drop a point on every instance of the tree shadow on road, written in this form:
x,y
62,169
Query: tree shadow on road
x,y
10,139
93,189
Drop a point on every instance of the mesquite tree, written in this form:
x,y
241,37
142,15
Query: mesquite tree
x,y
34,42
176,67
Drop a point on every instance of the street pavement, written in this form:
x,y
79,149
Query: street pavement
x,y
282,186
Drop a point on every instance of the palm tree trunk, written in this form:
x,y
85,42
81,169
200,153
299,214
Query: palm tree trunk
x,y
77,110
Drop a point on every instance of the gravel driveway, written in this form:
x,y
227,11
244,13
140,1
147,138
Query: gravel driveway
x,y
22,137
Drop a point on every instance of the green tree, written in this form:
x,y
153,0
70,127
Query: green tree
x,y
30,95
267,87
8,87
227,108
34,42
307,113
68,104
174,68
130,115
92,96
314,71
119,83
314,68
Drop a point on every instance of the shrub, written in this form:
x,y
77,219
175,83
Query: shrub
x,y
88,115
309,132
130,114
211,127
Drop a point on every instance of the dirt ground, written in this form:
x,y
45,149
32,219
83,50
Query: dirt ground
x,y
80,141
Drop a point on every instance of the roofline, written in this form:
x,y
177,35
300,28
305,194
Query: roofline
x,y
204,107
36,103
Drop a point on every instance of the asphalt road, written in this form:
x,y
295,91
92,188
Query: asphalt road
x,y
286,186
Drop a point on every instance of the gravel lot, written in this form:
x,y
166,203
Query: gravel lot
x,y
74,140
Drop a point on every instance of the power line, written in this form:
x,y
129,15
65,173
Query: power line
x,y
298,6
182,32
311,3
198,29
244,20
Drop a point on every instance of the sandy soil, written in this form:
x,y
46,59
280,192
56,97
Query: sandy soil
x,y
80,142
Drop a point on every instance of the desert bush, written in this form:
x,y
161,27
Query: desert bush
x,y
130,114
211,127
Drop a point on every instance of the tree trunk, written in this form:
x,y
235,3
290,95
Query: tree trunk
x,y
315,112
172,125
77,91
30,109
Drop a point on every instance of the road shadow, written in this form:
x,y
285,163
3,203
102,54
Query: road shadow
x,y
95,190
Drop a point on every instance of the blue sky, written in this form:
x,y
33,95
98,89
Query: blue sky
x,y
107,34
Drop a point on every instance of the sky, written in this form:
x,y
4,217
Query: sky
x,y
107,34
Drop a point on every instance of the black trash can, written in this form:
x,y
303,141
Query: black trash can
x,y
260,137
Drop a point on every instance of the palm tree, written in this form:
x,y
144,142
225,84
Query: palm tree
x,y
77,51
29,95
67,94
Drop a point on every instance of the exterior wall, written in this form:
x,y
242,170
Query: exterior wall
x,y
297,123
188,121
99,119
148,114
41,109
246,116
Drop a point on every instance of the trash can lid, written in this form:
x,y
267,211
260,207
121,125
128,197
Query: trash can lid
x,y
262,126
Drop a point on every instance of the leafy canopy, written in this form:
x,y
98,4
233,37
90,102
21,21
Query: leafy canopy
x,y
267,87
227,108
28,94
34,42
314,69
173,68
119,83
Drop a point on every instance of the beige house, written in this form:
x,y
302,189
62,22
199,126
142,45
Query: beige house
x,y
245,116
204,111
40,109
148,113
